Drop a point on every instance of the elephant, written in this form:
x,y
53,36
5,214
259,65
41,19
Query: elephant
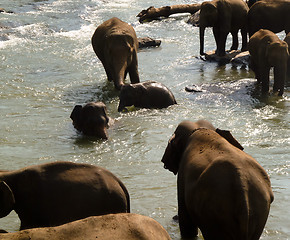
x,y
221,190
149,94
225,16
287,40
266,51
56,193
271,15
115,44
122,226
92,119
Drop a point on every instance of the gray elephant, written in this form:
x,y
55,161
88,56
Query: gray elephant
x,y
224,16
267,51
115,43
60,192
92,119
221,190
271,15
148,94
121,226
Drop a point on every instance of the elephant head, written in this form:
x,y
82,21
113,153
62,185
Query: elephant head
x,y
7,200
277,55
208,18
177,143
130,95
91,119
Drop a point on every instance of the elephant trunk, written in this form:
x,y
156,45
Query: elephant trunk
x,y
201,39
280,78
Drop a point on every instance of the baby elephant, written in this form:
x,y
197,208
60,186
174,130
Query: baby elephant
x,y
148,94
221,190
91,119
60,192
267,51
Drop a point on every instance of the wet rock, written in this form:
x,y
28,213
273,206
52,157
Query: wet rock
x,y
234,56
194,19
148,42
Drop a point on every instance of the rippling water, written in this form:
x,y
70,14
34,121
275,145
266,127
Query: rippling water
x,y
48,65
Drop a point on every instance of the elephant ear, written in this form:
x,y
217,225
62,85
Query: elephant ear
x,y
76,116
7,199
229,137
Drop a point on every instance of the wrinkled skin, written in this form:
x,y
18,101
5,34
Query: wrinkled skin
x,y
60,192
115,43
91,119
287,40
121,226
224,16
267,51
271,15
221,190
148,94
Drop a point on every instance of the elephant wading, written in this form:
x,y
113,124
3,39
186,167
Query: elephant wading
x,y
271,15
115,43
60,192
225,16
266,51
221,190
91,119
121,226
148,94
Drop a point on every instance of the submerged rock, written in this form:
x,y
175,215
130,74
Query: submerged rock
x,y
146,42
234,56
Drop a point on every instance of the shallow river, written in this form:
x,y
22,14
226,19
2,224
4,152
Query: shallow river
x,y
48,65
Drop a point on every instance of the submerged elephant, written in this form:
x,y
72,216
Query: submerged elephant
x,y
56,193
115,43
148,94
271,15
91,119
267,51
221,190
121,226
225,16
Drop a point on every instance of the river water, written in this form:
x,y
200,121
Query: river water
x,y
48,66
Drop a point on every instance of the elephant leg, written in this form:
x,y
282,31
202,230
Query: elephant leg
x,y
133,70
235,43
279,80
222,43
216,34
264,73
244,33
188,228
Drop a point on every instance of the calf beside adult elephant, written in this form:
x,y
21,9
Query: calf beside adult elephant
x,y
225,16
121,226
221,190
115,43
148,94
271,15
56,193
267,51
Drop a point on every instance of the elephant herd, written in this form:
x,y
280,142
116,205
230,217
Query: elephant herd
x,y
221,190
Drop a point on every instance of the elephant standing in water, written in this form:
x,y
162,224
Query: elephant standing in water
x,y
271,15
221,190
115,43
225,16
56,193
121,226
267,51
91,119
287,40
